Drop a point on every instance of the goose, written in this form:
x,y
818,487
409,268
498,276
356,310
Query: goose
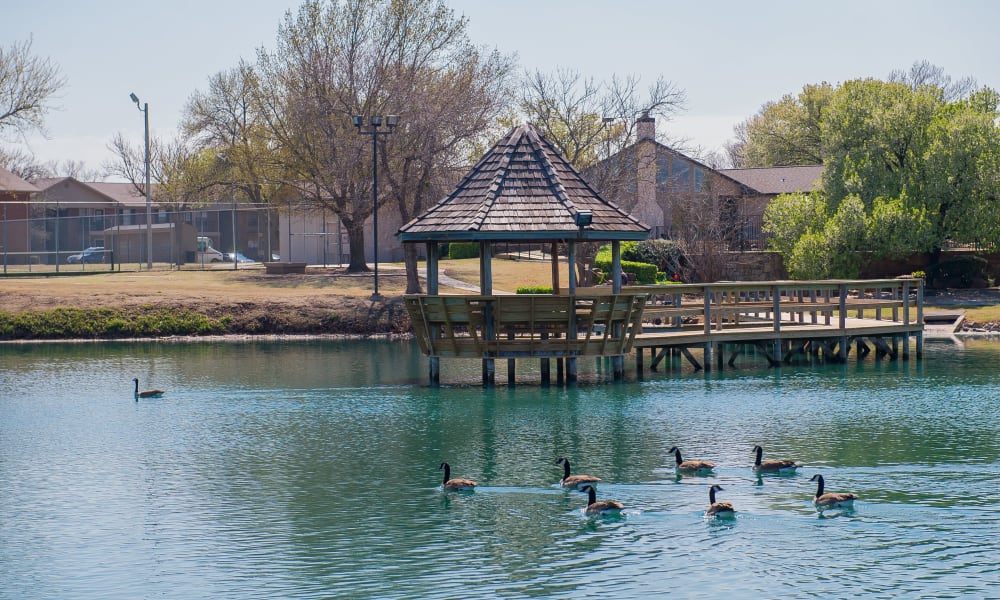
x,y
457,484
605,507
690,466
718,509
146,393
773,466
824,501
574,481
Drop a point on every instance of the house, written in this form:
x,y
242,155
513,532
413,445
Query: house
x,y
15,209
684,199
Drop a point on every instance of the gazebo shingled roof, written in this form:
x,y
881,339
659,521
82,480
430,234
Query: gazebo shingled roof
x,y
522,189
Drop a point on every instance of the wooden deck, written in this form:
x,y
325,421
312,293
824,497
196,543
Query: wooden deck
x,y
705,324
783,320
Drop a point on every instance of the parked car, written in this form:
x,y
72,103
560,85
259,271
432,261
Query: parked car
x,y
228,257
94,254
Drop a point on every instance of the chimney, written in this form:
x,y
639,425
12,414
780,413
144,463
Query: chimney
x,y
645,128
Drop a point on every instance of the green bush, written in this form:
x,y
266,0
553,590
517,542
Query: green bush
x,y
534,289
67,323
665,254
645,273
458,250
958,272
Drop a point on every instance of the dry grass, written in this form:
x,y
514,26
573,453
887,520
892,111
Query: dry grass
x,y
508,275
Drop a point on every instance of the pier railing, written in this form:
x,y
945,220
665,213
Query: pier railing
x,y
716,307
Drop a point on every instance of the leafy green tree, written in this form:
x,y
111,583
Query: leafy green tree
x,y
875,135
789,217
783,133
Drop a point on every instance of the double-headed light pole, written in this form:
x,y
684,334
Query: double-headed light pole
x,y
144,108
374,123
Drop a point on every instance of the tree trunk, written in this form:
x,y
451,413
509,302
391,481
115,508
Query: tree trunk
x,y
412,276
356,242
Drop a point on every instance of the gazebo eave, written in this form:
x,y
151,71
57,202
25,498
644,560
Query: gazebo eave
x,y
586,235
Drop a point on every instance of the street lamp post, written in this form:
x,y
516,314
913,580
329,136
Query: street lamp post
x,y
375,122
149,207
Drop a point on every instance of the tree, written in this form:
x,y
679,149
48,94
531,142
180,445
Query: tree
x,y
593,124
341,58
923,73
28,84
224,122
22,163
783,133
875,134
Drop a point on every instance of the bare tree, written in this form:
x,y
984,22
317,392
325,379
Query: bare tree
x,y
23,163
924,73
593,124
225,121
28,83
340,58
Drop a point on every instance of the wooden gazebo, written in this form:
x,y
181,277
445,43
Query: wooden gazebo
x,y
524,191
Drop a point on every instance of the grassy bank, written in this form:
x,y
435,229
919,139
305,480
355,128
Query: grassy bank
x,y
249,302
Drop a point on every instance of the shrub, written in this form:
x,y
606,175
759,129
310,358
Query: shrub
x,y
645,273
958,272
458,250
665,254
534,289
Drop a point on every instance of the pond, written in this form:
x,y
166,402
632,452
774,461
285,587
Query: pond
x,y
309,469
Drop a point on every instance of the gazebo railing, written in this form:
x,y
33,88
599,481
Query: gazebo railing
x,y
526,325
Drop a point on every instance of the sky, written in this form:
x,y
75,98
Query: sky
x,y
729,57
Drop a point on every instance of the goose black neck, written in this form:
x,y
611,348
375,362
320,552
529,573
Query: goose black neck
x,y
760,454
565,468
819,486
677,457
591,495
711,495
447,472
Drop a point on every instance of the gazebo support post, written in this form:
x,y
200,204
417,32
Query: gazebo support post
x,y
434,363
618,361
486,289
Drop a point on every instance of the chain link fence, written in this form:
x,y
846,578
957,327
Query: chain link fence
x,y
55,239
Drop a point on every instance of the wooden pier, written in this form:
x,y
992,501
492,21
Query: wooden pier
x,y
784,321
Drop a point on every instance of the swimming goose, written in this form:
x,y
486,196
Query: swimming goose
x,y
824,501
718,509
605,507
690,466
574,481
146,393
457,484
773,466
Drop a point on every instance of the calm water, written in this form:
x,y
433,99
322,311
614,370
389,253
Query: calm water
x,y
309,470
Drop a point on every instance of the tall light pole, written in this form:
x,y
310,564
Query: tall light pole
x,y
149,207
375,122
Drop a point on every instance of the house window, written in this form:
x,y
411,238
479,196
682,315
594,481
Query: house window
x,y
97,219
128,217
161,216
699,180
680,173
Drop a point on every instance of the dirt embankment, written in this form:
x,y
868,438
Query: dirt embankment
x,y
248,303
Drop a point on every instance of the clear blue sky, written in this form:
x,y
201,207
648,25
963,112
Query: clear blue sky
x,y
729,57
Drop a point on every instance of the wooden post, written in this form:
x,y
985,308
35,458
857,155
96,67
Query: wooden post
x,y
486,289
906,319
554,257
434,363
